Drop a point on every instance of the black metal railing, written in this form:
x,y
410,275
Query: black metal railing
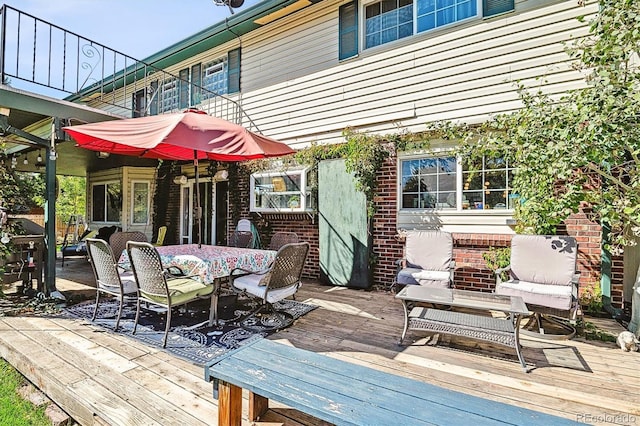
x,y
43,58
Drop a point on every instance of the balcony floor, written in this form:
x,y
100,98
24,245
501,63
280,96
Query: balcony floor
x,y
98,377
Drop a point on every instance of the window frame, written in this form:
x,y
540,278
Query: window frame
x,y
133,202
304,193
459,189
106,193
484,9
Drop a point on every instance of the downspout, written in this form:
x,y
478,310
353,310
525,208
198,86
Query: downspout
x,y
605,280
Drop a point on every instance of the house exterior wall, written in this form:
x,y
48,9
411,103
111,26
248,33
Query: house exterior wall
x,y
296,90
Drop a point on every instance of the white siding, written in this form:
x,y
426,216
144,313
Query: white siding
x,y
461,74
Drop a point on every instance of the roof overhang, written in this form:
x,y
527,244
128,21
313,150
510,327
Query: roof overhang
x,y
33,113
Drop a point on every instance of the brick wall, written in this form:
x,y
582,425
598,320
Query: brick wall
x,y
471,270
268,224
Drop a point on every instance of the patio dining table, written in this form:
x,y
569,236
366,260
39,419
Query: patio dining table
x,y
211,263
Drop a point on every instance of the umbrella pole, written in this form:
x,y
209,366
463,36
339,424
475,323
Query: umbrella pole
x,y
198,207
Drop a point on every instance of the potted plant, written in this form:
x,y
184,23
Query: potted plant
x,y
294,202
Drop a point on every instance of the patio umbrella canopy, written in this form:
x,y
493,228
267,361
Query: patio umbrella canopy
x,y
189,135
179,136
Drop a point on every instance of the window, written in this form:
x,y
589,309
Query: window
x,y
214,78
139,103
170,95
487,185
389,20
429,183
438,13
140,203
280,191
106,202
444,183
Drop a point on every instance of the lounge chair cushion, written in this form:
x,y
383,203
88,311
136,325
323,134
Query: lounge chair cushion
x,y
548,260
251,284
429,250
409,276
552,296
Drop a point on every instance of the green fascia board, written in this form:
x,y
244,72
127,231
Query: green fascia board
x,y
220,33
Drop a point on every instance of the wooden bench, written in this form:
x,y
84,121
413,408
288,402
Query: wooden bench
x,y
344,393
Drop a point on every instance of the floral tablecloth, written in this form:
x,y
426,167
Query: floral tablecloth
x,y
210,262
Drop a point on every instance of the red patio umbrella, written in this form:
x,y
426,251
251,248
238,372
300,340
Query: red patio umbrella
x,y
189,135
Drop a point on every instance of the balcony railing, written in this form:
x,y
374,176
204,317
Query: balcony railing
x,y
46,59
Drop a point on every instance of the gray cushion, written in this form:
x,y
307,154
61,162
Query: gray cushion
x,y
251,284
409,276
429,250
551,296
544,259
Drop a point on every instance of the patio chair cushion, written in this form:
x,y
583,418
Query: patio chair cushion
x,y
408,276
182,290
253,284
547,260
551,296
429,250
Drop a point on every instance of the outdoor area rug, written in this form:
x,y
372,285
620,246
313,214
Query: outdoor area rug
x,y
190,337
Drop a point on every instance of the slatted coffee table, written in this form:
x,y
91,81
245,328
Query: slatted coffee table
x,y
504,331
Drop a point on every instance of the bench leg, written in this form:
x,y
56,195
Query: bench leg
x,y
229,404
258,405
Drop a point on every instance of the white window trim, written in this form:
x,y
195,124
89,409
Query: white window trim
x,y
105,183
362,24
457,219
303,192
133,184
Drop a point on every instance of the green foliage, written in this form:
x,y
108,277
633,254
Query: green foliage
x,y
364,156
71,197
591,299
13,409
583,150
496,258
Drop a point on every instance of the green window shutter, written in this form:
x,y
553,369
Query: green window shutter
x,y
494,7
153,108
184,88
196,84
348,30
233,74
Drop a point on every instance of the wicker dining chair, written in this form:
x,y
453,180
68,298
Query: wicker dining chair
x,y
157,287
279,281
118,240
281,238
109,279
243,235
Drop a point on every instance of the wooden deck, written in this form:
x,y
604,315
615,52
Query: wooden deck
x,y
102,378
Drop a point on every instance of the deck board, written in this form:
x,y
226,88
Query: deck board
x,y
104,378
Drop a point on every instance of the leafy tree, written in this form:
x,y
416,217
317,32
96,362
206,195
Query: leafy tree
x,y
71,197
581,151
